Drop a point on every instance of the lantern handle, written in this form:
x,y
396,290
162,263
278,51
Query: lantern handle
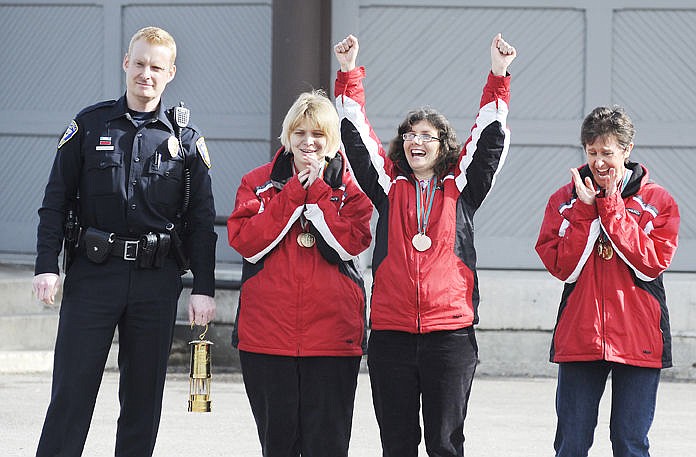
x,y
202,335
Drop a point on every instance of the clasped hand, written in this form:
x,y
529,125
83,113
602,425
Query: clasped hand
x,y
586,191
311,173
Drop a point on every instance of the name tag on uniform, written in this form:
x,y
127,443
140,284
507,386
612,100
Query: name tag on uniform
x,y
105,144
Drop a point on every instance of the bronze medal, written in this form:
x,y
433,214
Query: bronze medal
x,y
604,249
607,252
421,242
306,240
173,146
425,194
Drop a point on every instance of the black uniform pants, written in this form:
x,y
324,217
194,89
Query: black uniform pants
x,y
97,299
302,405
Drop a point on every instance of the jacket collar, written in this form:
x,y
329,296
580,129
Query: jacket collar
x,y
120,109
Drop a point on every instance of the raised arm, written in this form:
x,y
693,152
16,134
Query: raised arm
x,y
484,152
367,158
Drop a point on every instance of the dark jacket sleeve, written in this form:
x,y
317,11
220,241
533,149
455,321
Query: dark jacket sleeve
x,y
62,187
200,236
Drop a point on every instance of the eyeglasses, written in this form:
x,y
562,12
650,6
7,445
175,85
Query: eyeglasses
x,y
423,137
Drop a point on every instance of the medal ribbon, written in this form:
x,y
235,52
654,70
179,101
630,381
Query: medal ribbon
x,y
424,199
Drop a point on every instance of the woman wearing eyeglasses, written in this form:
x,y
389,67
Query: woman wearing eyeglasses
x,y
426,189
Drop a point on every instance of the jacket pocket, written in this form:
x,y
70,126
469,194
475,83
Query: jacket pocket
x,y
165,176
103,169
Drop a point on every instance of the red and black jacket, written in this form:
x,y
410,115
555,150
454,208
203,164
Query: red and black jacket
x,y
295,300
437,289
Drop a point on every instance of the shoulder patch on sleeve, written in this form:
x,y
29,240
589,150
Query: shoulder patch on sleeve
x,y
69,133
203,151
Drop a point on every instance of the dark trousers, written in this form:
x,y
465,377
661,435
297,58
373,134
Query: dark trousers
x,y
633,398
436,368
97,299
302,405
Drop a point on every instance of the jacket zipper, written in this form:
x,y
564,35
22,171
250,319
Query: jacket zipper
x,y
418,291
298,319
603,312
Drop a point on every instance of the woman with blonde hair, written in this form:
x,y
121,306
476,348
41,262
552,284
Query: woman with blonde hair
x,y
299,222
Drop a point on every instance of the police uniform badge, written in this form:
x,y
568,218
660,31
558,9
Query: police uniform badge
x,y
203,151
173,146
69,133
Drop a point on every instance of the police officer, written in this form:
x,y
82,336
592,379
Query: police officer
x,y
141,182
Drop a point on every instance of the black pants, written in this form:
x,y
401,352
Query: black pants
x,y
96,299
302,405
436,368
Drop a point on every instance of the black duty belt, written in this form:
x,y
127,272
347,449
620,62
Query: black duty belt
x,y
149,250
125,249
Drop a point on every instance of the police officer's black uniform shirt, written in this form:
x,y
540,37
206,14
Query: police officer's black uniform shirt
x,y
130,182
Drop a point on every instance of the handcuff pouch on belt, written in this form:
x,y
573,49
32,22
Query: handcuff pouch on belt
x,y
98,244
163,243
153,248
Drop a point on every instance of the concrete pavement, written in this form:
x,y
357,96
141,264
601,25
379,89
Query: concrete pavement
x,y
508,417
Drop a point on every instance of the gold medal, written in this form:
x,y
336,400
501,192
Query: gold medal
x,y
421,242
173,146
306,240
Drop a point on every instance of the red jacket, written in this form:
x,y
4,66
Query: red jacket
x,y
294,300
437,289
612,309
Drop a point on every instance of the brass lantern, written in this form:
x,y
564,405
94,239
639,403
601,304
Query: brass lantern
x,y
200,374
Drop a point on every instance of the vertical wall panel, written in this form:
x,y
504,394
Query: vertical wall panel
x,y
224,54
50,57
27,162
654,64
231,161
507,224
440,55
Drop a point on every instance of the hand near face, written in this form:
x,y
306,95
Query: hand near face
x,y
585,190
346,52
502,55
302,176
313,169
611,183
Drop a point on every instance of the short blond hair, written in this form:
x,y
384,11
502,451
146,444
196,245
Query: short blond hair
x,y
315,107
154,36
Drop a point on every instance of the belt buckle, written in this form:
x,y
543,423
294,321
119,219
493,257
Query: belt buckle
x,y
127,248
